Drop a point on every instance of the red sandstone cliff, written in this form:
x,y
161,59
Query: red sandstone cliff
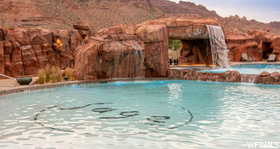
x,y
25,51
98,14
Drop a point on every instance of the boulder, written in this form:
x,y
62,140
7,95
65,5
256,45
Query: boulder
x,y
152,33
174,74
264,78
275,76
83,30
155,38
110,59
232,76
264,74
190,75
81,27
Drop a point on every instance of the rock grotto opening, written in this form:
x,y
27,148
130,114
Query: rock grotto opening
x,y
267,50
195,52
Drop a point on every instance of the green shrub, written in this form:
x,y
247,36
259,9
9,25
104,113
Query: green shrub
x,y
175,45
49,74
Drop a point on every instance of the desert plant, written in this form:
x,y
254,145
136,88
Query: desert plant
x,y
69,74
175,45
49,74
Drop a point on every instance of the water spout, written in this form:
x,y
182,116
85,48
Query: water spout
x,y
218,44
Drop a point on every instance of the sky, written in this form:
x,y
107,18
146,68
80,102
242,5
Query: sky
x,y
261,10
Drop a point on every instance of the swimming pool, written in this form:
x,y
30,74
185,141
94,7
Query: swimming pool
x,y
141,115
248,68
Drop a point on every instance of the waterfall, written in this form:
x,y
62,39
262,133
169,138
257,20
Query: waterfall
x,y
218,45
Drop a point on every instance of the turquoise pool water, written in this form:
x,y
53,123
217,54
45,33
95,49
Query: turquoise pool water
x,y
249,68
141,115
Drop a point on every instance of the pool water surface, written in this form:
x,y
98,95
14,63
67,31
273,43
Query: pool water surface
x,y
141,115
248,68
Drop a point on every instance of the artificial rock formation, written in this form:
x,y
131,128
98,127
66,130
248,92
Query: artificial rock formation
x,y
253,46
156,52
230,76
135,50
108,58
276,47
195,52
123,51
25,51
268,78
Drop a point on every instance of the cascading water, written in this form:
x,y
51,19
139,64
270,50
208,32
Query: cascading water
x,y
219,48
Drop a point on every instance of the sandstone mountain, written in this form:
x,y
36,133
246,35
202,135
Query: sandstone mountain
x,y
62,14
275,24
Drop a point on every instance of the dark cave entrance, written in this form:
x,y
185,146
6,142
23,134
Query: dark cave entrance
x,y
267,50
195,52
2,35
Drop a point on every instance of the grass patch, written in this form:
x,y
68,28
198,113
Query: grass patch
x,y
49,74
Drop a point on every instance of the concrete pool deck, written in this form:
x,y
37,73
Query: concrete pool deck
x,y
6,87
7,84
6,90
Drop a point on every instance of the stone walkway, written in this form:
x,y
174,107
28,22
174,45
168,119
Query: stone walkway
x,y
7,85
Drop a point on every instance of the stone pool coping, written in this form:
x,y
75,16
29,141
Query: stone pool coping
x,y
178,67
18,89
194,73
229,76
252,63
174,74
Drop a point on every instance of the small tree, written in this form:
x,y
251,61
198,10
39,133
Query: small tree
x,y
175,45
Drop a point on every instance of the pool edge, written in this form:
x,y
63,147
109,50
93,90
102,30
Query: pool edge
x,y
19,89
229,76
